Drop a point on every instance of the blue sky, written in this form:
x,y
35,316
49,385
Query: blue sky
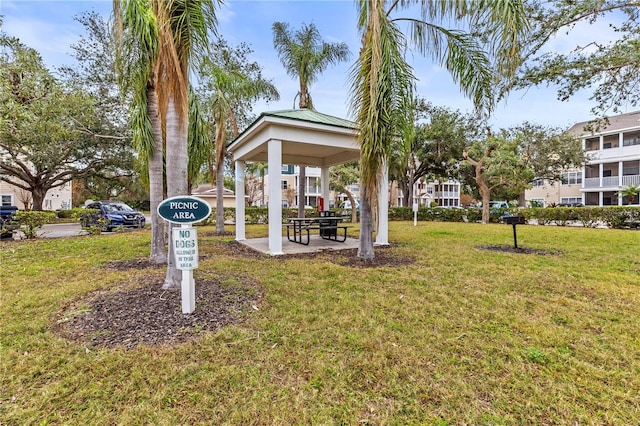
x,y
49,27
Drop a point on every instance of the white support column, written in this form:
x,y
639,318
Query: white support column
x,y
324,186
240,214
275,196
600,173
620,171
382,236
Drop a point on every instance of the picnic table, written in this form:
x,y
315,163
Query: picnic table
x,y
327,225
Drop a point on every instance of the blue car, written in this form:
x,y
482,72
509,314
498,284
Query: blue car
x,y
112,214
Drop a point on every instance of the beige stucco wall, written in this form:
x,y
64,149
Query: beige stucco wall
x,y
553,194
226,201
56,199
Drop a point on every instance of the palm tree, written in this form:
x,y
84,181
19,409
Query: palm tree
x,y
228,89
168,36
184,34
136,57
382,80
631,192
304,55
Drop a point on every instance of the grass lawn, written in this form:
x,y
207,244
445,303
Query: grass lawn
x,y
460,336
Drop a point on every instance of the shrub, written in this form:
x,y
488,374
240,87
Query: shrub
x,y
588,216
74,213
31,221
617,217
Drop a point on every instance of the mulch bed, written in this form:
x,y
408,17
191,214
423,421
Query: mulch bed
x,y
152,316
520,250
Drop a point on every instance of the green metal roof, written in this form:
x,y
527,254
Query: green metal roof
x,y
310,116
302,115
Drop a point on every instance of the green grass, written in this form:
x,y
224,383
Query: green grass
x,y
461,336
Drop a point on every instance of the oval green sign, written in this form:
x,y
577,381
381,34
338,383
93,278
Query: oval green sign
x,y
184,209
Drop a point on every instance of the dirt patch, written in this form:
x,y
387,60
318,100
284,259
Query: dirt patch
x,y
520,250
149,315
124,265
383,257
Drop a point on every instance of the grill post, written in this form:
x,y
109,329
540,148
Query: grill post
x,y
513,221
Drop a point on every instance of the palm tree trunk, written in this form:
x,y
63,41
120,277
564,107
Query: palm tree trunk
x,y
220,148
176,178
220,201
156,181
365,248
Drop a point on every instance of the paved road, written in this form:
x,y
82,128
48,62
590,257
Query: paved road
x,y
59,230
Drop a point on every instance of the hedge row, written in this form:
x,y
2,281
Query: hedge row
x,y
613,217
589,217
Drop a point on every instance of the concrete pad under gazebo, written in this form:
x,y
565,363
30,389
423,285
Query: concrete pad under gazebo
x,y
301,137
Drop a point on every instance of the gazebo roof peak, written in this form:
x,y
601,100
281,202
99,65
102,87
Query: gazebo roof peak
x,y
310,116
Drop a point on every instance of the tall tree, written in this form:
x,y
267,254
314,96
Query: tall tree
x,y
497,163
611,70
430,145
137,51
547,151
230,85
184,39
50,132
304,55
382,80
171,36
340,178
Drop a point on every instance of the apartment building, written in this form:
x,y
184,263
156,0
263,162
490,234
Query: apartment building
x,y
430,193
58,198
289,184
613,164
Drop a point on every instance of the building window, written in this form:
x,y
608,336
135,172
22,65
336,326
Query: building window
x,y
47,204
592,144
630,139
571,200
283,184
537,183
7,200
572,178
537,202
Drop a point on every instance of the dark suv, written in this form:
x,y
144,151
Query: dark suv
x,y
111,215
7,225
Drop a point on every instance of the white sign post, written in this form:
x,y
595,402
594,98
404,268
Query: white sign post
x,y
184,240
415,214
185,250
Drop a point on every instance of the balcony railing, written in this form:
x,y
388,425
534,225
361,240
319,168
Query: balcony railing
x,y
591,182
612,181
447,194
630,180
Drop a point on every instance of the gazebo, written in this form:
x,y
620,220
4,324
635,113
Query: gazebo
x,y
301,137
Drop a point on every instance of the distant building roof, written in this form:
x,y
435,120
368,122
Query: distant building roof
x,y
616,123
208,190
